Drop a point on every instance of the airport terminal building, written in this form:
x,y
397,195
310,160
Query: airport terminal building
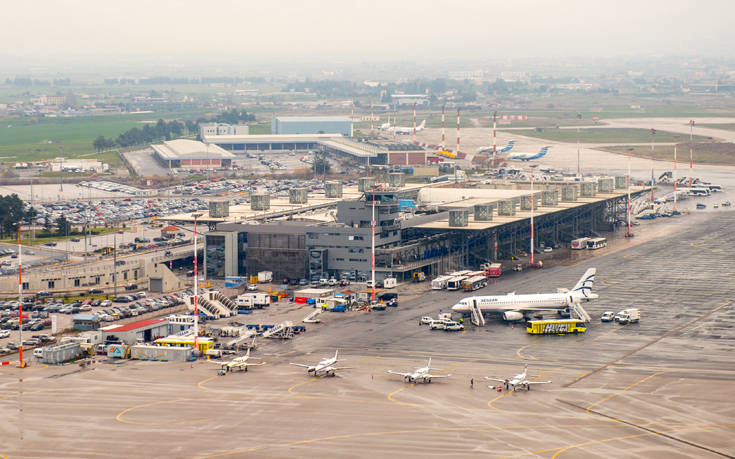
x,y
191,154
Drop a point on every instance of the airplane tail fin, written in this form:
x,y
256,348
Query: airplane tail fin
x,y
429,364
422,125
335,354
251,347
585,283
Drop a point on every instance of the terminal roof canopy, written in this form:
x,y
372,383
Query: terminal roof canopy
x,y
190,149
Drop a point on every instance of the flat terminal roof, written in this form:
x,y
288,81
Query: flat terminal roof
x,y
500,220
269,138
190,149
135,325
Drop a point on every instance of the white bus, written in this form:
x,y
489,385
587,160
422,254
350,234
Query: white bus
x,y
596,243
579,244
455,283
440,282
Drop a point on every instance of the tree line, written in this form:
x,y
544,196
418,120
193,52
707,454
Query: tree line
x,y
149,133
12,213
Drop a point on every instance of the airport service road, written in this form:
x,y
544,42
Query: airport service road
x,y
661,388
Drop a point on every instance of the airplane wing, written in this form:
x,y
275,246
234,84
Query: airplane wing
x,y
253,364
439,376
300,365
496,379
398,373
536,382
342,368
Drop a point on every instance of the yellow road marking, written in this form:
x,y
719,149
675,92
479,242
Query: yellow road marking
x,y
291,389
640,381
390,396
171,423
523,357
610,332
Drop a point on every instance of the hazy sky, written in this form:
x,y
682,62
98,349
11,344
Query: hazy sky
x,y
366,30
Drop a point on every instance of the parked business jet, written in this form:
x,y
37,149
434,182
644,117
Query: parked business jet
x,y
514,307
402,130
530,156
240,363
505,149
420,374
517,381
324,368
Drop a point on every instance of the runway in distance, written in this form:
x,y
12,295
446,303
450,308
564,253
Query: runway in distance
x,y
325,367
240,363
402,130
513,307
517,381
505,149
530,156
422,374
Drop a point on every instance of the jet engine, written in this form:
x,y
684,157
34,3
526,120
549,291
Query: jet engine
x,y
512,316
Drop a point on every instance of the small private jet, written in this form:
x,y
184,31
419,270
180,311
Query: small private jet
x,y
518,381
420,375
240,363
324,368
505,149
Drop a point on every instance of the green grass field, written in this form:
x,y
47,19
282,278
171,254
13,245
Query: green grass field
x,y
600,135
704,153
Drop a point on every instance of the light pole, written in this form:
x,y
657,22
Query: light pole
x,y
196,287
532,206
691,153
676,140
653,132
20,299
372,250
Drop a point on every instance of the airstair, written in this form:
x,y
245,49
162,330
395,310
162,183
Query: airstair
x,y
245,334
312,318
581,313
477,318
283,330
210,307
228,303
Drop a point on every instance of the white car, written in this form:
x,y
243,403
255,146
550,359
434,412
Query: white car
x,y
38,352
426,320
453,326
4,333
252,287
438,325
607,316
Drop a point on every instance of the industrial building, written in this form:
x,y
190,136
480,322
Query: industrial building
x,y
432,229
214,129
143,331
410,99
283,125
191,154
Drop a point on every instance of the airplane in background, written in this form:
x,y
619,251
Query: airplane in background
x,y
530,156
517,381
505,149
401,130
420,374
240,363
325,367
513,307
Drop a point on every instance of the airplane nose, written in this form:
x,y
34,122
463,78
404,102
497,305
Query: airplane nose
x,y
458,307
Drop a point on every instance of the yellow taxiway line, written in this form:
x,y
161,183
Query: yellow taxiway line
x,y
640,381
161,402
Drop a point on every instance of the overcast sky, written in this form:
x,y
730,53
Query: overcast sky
x,y
417,30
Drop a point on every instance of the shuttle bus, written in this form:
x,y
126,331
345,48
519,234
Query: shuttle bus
x,y
203,343
555,327
474,283
596,243
455,283
440,282
580,244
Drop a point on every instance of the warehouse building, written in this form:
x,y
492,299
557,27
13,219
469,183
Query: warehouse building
x,y
143,331
191,154
312,125
214,129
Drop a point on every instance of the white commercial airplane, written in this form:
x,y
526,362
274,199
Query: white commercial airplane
x,y
514,307
419,375
324,367
530,156
517,381
402,130
505,149
240,363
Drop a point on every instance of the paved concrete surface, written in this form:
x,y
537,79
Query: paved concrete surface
x,y
661,388
145,163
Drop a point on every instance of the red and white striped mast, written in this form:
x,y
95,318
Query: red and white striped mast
x,y
457,130
20,299
532,204
372,250
691,152
196,286
653,131
443,133
414,122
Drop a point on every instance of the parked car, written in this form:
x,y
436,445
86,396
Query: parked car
x,y
426,320
607,316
